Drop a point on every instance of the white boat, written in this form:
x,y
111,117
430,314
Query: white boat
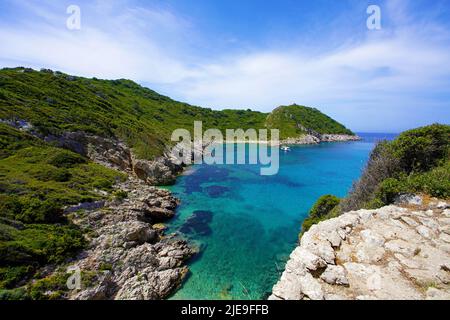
x,y
285,149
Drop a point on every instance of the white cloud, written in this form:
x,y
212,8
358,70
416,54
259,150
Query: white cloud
x,y
395,70
129,43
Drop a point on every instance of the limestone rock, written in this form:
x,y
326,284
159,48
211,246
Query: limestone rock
x,y
335,275
390,253
140,263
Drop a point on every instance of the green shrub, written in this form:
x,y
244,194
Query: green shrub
x,y
435,183
415,162
325,208
65,159
53,174
103,184
41,244
120,195
11,276
14,294
50,288
38,211
389,189
422,149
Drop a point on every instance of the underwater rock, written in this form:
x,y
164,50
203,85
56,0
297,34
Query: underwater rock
x,y
198,224
216,191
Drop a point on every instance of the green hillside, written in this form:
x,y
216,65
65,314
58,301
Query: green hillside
x,y
292,121
36,181
55,103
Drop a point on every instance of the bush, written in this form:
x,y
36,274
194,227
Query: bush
x,y
14,294
323,209
120,195
53,174
11,276
381,165
50,288
38,211
422,149
417,161
40,244
66,159
323,206
435,183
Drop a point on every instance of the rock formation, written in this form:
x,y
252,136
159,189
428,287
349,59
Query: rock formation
x,y
396,252
318,138
129,257
115,154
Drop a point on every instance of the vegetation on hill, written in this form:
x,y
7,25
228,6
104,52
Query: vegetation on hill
x,y
418,161
295,120
36,182
54,103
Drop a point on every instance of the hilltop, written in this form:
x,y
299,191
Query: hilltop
x,y
295,121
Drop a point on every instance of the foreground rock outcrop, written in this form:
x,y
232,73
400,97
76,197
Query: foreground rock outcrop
x,y
129,257
395,252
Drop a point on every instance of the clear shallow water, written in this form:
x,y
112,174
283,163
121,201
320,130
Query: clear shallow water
x,y
247,224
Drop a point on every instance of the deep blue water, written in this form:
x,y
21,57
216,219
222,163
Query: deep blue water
x,y
247,224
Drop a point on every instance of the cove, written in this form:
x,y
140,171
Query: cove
x,y
246,225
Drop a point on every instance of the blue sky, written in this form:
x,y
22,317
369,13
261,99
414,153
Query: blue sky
x,y
252,53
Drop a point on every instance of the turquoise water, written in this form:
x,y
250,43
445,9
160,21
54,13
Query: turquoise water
x,y
246,224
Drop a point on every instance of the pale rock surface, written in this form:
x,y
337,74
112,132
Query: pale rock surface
x,y
398,252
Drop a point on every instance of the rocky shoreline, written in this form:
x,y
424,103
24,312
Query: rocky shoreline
x,y
398,252
318,138
129,257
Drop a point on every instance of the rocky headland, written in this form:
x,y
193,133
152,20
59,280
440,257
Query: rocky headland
x,y
318,138
399,252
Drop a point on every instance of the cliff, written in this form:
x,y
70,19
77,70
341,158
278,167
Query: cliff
x,y
396,252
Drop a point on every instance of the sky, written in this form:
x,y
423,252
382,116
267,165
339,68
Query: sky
x,y
255,54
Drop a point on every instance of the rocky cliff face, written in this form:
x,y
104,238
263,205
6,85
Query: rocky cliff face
x,y
129,257
115,154
396,252
318,138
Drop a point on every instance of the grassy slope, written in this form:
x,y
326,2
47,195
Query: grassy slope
x,y
36,181
55,102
